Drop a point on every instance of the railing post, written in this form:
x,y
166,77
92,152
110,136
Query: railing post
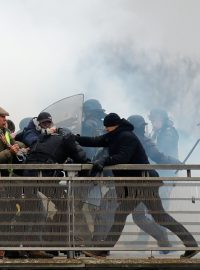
x,y
188,173
70,253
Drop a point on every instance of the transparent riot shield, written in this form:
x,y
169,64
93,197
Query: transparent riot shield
x,y
67,113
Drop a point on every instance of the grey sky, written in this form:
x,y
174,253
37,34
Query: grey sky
x,y
45,42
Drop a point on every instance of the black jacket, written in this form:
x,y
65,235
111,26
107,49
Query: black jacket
x,y
123,148
56,148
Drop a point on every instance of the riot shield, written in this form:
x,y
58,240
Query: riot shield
x,y
67,113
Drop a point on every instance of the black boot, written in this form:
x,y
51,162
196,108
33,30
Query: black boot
x,y
40,254
15,254
95,253
189,254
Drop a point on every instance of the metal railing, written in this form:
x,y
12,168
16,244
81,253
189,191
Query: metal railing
x,y
71,212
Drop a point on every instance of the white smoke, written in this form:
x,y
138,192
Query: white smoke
x,y
131,54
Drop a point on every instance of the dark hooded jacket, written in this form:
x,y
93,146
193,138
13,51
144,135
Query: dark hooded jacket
x,y
123,148
31,133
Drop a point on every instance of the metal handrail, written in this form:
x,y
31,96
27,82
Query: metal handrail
x,y
73,168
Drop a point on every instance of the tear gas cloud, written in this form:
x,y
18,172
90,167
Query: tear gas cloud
x,y
132,55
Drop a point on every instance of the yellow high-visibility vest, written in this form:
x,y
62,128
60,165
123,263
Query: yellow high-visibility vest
x,y
7,136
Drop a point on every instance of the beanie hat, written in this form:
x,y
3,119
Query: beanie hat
x,y
111,119
44,117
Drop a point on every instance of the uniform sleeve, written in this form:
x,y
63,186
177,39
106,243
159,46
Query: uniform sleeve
x,y
155,155
171,136
170,139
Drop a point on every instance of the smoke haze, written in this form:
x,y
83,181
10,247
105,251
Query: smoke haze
x,y
133,55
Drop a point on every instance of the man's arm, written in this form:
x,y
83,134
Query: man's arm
x,y
7,154
74,150
30,136
99,141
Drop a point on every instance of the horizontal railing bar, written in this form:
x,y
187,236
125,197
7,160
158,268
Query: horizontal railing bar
x,y
64,224
86,185
60,248
50,234
100,179
78,167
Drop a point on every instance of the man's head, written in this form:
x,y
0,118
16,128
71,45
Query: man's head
x,y
3,115
138,122
111,121
45,120
158,118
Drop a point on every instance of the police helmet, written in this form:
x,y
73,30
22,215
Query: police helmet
x,y
137,121
24,122
92,104
158,113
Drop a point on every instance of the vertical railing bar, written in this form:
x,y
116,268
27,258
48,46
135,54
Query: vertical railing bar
x,y
189,173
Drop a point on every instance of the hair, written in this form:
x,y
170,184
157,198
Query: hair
x,y
10,125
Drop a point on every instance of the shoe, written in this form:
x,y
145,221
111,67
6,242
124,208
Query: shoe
x,y
55,253
2,253
96,253
40,254
189,254
15,254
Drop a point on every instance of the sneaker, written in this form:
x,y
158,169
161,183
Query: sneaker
x,y
189,254
40,254
96,253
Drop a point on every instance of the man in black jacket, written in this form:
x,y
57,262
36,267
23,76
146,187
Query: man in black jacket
x,y
50,149
140,216
125,148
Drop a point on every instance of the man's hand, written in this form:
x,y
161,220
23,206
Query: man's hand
x,y
14,148
98,166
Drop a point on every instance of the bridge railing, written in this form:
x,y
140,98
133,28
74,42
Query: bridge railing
x,y
72,211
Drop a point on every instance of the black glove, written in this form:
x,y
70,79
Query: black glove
x,y
98,166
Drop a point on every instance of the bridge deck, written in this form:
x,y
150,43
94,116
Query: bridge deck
x,y
101,263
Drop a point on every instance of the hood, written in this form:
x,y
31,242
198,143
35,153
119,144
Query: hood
x,y
125,124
